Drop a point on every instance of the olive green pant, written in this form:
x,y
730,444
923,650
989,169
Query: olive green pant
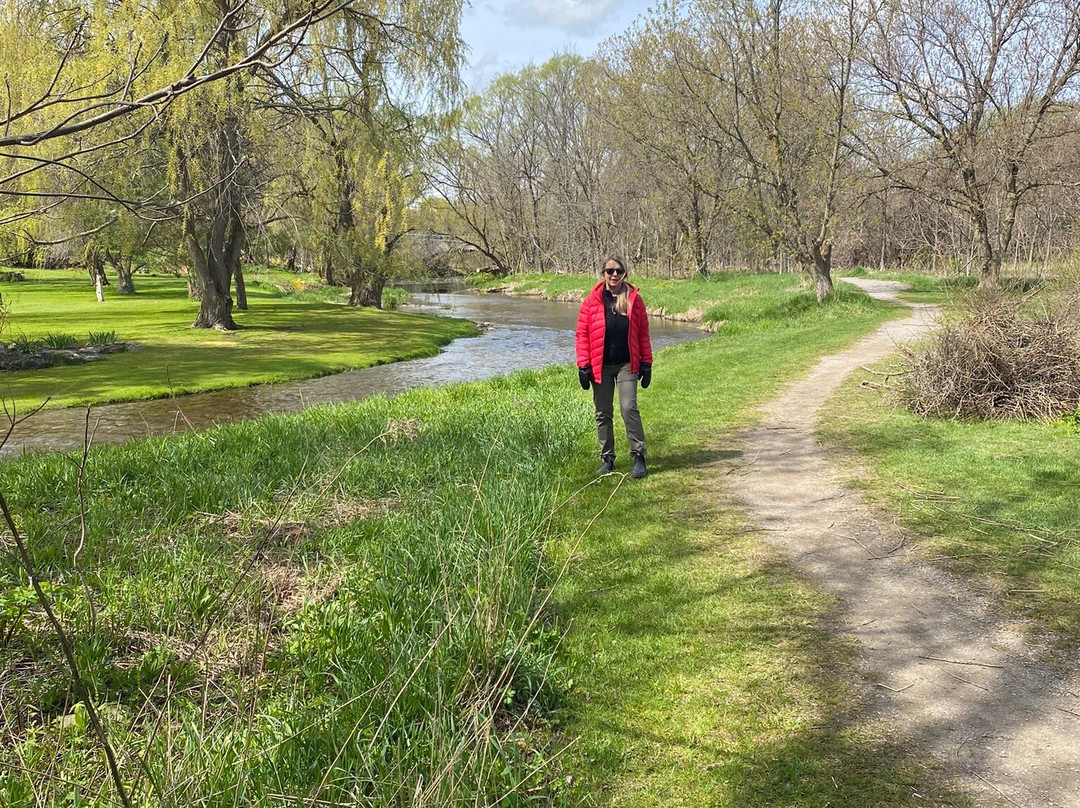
x,y
618,377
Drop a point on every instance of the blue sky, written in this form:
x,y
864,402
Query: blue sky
x,y
505,35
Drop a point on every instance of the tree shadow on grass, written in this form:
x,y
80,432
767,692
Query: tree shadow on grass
x,y
710,674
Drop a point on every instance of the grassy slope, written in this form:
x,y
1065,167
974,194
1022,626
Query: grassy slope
x,y
284,337
741,301
704,672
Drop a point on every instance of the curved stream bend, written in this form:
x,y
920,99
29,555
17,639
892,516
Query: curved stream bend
x,y
519,332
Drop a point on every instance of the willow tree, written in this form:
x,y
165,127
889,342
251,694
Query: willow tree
x,y
359,194
84,80
81,78
363,97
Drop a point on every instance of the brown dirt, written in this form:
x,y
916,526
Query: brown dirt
x,y
944,673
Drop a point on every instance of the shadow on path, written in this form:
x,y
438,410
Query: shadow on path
x,y
944,674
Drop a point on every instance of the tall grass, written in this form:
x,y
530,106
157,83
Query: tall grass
x,y
344,605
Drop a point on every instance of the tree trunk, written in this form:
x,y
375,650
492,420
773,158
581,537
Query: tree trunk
x,y
214,267
125,282
884,230
701,248
367,288
989,258
990,272
241,287
821,272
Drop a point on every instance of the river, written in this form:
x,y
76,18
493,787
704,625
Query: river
x,y
518,332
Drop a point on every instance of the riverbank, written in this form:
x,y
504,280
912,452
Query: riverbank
x,y
728,302
289,332
431,595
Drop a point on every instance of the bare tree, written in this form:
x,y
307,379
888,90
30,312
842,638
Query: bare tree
x,y
683,168
776,80
975,90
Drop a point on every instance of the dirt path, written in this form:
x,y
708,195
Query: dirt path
x,y
944,673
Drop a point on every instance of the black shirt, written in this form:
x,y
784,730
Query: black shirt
x,y
616,333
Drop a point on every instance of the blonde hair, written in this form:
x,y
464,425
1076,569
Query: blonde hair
x,y
622,300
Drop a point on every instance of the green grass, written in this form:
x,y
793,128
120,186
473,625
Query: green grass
x,y
370,585
342,605
709,672
287,334
998,499
727,302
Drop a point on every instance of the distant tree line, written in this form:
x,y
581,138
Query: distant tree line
x,y
783,134
792,135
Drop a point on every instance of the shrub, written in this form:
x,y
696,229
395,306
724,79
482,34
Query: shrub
x,y
392,297
999,361
1071,421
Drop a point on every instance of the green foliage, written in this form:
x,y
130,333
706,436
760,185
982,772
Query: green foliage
x,y
393,296
101,338
15,602
1071,421
286,336
59,341
25,344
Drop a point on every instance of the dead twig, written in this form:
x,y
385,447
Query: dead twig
x,y
965,681
895,689
961,662
82,692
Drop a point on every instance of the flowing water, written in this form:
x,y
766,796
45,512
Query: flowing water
x,y
518,333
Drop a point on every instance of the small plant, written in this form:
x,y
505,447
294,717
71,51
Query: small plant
x,y
1071,421
25,344
59,341
14,604
392,297
101,337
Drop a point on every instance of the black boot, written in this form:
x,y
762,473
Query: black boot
x,y
607,464
639,466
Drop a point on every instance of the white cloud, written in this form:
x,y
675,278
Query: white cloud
x,y
483,69
577,17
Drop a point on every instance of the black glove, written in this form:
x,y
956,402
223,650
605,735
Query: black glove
x,y
584,376
645,374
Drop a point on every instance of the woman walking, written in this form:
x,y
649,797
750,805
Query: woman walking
x,y
614,352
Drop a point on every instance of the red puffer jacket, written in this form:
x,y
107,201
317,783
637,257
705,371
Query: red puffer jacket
x,y
591,325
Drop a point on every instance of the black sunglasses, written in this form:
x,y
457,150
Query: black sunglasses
x,y
614,271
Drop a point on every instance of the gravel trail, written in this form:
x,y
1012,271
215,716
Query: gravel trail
x,y
944,672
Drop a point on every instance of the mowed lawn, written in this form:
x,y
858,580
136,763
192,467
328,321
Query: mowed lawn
x,y
284,336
